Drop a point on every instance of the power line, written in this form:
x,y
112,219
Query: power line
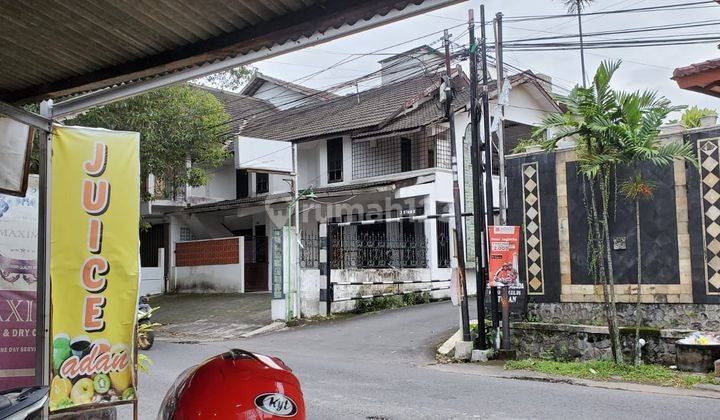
x,y
667,7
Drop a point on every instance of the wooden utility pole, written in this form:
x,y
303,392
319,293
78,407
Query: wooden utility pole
x,y
478,199
501,126
487,149
459,237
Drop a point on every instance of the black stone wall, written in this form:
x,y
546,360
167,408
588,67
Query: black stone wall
x,y
695,223
658,227
549,226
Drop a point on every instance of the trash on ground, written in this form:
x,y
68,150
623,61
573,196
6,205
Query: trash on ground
x,y
701,338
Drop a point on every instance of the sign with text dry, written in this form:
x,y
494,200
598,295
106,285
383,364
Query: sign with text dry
x,y
93,266
18,287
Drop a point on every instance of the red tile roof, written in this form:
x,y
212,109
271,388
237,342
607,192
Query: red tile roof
x,y
697,68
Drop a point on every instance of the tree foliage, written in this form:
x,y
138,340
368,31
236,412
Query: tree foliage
x,y
611,128
178,125
231,79
572,6
691,116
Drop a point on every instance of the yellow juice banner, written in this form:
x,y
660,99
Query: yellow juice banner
x,y
94,265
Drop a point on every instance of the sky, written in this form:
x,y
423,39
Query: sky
x,y
642,68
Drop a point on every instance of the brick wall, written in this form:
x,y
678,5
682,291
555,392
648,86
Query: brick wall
x,y
210,252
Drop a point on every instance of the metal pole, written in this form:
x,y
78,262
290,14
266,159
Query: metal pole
x,y
42,302
487,148
478,201
459,242
501,127
296,197
582,48
505,303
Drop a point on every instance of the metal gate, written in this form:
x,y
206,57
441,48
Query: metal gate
x,y
329,258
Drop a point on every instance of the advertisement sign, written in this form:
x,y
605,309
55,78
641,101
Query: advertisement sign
x,y
18,286
94,266
504,246
504,249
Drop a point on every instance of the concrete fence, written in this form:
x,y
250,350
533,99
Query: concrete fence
x,y
212,265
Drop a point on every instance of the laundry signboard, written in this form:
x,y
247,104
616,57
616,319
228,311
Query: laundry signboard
x,y
94,266
18,286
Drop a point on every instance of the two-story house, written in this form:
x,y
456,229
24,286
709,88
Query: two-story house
x,y
378,153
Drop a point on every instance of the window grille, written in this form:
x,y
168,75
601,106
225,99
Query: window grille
x,y
262,183
390,155
335,160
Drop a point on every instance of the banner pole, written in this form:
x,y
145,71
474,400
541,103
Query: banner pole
x,y
42,300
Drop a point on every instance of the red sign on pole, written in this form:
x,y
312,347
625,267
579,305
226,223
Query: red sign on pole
x,y
504,246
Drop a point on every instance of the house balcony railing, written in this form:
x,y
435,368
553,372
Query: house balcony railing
x,y
392,155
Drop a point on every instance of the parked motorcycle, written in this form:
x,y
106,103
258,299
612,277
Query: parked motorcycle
x,y
237,384
145,332
23,403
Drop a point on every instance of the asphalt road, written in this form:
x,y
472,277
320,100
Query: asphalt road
x,y
376,366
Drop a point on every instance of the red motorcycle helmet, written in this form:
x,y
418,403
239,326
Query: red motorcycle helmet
x,y
235,385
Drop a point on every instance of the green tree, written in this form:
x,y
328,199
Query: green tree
x,y
637,135
577,6
691,116
178,125
611,128
231,79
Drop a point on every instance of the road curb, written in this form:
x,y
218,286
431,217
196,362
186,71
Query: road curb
x,y
500,372
275,326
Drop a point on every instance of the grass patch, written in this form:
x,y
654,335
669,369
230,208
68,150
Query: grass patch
x,y
607,370
390,302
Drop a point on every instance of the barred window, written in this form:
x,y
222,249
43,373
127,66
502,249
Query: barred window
x,y
335,160
262,183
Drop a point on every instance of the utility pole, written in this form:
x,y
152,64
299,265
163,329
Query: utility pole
x,y
459,238
501,126
478,200
582,48
487,149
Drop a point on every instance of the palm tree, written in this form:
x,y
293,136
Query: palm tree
x,y
643,113
611,129
590,110
577,6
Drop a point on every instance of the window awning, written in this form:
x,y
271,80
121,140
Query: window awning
x,y
62,48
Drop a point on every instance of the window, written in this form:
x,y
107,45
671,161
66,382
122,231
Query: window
x,y
335,160
405,155
242,184
262,183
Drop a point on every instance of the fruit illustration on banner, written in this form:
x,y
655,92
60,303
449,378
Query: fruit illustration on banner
x,y
82,392
101,382
59,391
121,380
94,266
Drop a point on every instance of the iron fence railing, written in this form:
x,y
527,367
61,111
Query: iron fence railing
x,y
378,250
310,250
443,244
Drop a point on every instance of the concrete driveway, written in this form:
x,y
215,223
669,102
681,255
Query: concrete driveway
x,y
209,317
381,366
